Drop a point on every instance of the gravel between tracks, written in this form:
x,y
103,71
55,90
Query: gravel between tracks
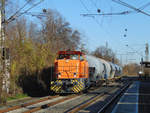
x,y
35,105
68,105
20,101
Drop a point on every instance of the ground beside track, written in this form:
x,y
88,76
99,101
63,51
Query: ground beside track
x,y
20,101
94,108
67,106
24,109
70,104
136,99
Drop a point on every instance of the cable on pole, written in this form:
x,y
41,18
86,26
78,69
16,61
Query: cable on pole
x,y
120,13
131,7
105,14
18,14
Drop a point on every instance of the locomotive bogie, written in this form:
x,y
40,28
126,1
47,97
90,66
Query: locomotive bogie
x,y
69,85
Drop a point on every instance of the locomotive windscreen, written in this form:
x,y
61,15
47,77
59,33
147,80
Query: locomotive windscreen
x,y
74,55
68,56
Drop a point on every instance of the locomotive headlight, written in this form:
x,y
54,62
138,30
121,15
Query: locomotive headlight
x,y
75,74
140,72
59,74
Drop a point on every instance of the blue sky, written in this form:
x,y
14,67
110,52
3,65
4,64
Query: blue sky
x,y
101,29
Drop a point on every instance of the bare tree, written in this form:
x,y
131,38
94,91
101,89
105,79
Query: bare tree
x,y
58,33
105,53
131,69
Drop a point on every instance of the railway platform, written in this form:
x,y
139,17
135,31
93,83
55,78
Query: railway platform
x,y
136,99
144,97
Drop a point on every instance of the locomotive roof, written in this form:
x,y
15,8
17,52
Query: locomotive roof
x,y
71,52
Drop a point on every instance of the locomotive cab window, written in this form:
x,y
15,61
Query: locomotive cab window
x,y
68,56
74,57
81,58
61,56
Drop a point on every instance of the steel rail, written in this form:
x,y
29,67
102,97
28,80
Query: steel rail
x,y
32,103
50,104
27,104
57,102
103,109
84,105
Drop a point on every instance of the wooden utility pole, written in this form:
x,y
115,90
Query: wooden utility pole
x,y
2,15
1,67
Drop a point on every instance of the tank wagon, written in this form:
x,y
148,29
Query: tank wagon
x,y
96,69
118,71
113,70
75,71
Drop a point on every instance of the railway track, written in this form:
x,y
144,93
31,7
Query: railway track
x,y
86,104
50,104
102,110
50,101
27,108
44,106
118,94
81,102
17,107
26,104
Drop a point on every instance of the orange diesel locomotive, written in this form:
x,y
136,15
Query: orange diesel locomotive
x,y
71,72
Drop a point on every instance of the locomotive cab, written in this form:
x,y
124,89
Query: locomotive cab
x,y
71,65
